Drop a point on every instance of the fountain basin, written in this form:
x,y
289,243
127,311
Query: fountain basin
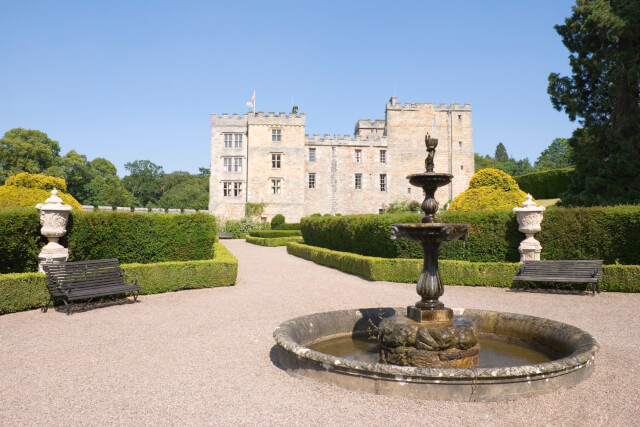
x,y
575,350
422,232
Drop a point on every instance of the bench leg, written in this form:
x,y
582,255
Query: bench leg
x,y
68,305
46,307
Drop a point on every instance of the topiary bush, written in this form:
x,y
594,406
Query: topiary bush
x,y
489,189
269,234
277,221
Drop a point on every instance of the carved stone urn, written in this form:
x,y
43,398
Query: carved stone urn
x,y
53,218
529,216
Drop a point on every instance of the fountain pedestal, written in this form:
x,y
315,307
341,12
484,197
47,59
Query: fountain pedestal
x,y
429,335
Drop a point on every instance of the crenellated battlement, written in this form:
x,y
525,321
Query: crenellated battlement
x,y
257,118
415,106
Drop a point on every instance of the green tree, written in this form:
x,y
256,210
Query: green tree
x,y
501,153
145,181
555,156
109,191
78,173
26,150
603,92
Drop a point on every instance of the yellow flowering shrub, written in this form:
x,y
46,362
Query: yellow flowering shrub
x,y
489,190
36,180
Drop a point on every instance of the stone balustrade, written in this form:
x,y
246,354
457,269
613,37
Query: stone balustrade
x,y
89,208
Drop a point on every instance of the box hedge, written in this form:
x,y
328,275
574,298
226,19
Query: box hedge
x,y
546,184
616,278
20,240
607,233
290,226
267,234
273,241
140,238
25,291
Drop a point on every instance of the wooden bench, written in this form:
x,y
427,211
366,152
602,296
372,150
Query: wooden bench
x,y
561,271
85,280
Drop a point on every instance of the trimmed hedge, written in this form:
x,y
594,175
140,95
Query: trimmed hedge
x,y
19,292
140,238
546,184
20,240
273,241
268,234
291,226
493,235
615,278
607,233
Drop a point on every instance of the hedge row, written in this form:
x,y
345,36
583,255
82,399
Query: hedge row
x,y
24,291
493,236
615,278
140,238
547,184
291,226
130,237
20,240
268,234
273,241
607,233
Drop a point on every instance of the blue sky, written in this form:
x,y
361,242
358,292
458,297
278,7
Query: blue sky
x,y
138,80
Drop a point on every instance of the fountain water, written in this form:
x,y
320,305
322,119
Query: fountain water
x,y
430,351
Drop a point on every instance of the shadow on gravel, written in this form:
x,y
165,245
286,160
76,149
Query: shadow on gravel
x,y
81,307
273,355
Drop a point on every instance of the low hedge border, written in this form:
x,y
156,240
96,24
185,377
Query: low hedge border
x,y
274,233
273,241
615,278
25,291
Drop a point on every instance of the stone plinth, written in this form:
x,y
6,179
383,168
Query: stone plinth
x,y
529,216
53,218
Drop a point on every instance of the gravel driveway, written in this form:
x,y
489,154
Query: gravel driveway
x,y
205,357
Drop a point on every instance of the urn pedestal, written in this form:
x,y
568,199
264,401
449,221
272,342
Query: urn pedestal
x,y
53,218
529,216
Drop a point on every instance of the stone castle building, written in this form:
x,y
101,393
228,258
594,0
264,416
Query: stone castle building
x,y
267,158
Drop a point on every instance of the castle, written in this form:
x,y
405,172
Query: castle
x,y
267,158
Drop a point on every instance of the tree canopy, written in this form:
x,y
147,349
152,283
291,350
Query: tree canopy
x,y
603,93
555,156
26,150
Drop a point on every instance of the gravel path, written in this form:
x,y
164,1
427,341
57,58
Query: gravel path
x,y
205,357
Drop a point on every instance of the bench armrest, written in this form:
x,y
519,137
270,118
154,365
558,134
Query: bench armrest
x,y
129,279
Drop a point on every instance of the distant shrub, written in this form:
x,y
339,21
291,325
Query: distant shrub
x,y
277,221
243,226
36,180
315,215
403,206
274,233
291,226
546,184
489,189
273,241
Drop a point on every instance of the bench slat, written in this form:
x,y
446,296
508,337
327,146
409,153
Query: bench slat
x,y
565,271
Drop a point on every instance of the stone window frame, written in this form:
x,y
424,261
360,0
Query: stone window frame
x,y
358,156
237,164
312,180
276,186
358,181
228,140
276,135
237,189
237,140
227,164
231,189
383,182
276,160
312,154
383,156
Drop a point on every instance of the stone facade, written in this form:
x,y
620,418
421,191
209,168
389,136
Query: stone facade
x,y
267,158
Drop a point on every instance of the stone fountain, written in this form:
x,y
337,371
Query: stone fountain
x,y
429,351
427,336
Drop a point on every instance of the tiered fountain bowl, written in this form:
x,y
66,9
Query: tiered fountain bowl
x,y
431,351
